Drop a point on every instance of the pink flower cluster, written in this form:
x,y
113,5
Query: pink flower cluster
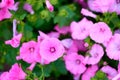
x,y
48,48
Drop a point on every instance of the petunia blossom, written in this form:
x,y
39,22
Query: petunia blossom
x,y
27,51
80,30
90,72
49,6
28,8
15,73
113,47
74,63
15,41
115,6
86,12
111,72
51,49
96,53
98,30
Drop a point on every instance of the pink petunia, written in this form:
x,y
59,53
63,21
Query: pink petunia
x,y
15,41
113,47
15,73
96,53
90,72
73,63
86,12
51,49
115,6
80,30
4,14
100,5
28,8
62,30
49,6
99,29
28,51
111,72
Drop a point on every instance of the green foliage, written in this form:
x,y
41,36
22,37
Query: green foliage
x,y
100,76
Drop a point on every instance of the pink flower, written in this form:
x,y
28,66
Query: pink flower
x,y
62,30
27,51
115,6
15,41
51,49
90,72
96,53
28,8
81,29
86,12
100,5
111,72
49,5
4,14
7,3
113,47
15,73
73,63
99,29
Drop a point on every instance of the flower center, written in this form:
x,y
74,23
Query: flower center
x,y
95,55
52,49
83,29
31,49
8,2
117,1
78,61
102,30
